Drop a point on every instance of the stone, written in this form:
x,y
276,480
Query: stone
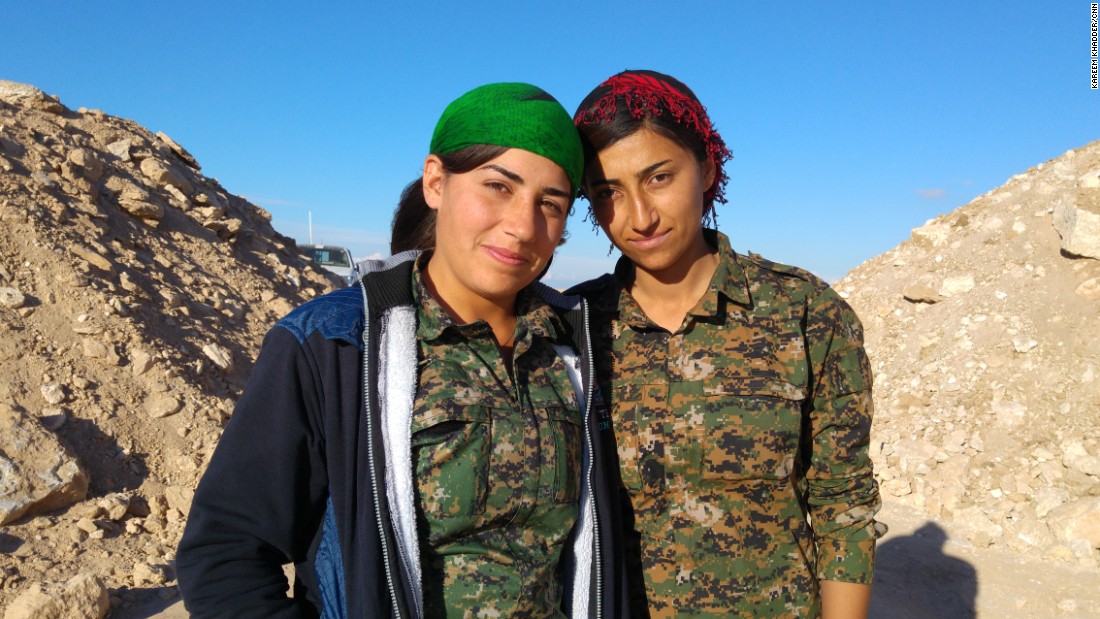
x,y
37,472
180,151
25,95
1009,413
90,165
94,348
162,174
93,258
1089,180
218,355
1023,344
1079,227
142,210
918,293
10,297
115,506
179,498
140,362
146,574
1089,289
178,195
955,285
53,393
120,149
82,597
1077,520
162,406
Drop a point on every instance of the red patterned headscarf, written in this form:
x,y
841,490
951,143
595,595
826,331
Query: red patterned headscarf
x,y
651,94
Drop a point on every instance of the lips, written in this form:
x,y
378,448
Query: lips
x,y
505,257
649,242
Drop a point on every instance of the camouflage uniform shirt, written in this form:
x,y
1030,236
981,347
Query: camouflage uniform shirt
x,y
497,462
735,434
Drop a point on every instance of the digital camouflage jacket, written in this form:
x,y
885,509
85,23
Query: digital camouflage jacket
x,y
497,460
742,441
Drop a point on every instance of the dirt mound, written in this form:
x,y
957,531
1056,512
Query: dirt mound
x,y
984,333
134,295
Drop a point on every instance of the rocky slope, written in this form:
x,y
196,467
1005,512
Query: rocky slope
x,y
984,333
134,295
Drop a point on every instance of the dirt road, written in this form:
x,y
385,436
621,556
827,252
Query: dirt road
x,y
923,571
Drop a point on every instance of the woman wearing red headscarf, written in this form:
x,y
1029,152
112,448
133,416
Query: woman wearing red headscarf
x,y
739,388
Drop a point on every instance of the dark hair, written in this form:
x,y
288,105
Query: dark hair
x,y
635,100
414,221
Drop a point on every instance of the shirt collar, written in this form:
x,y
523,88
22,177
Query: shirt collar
x,y
534,317
729,280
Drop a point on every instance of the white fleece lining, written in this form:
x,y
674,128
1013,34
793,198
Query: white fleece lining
x,y
582,542
397,381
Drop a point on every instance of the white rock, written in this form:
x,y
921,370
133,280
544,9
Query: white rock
x,y
1023,344
140,362
218,355
1079,227
1089,289
25,95
146,574
1009,413
1089,180
162,406
1077,520
53,393
10,297
120,149
82,597
94,349
958,284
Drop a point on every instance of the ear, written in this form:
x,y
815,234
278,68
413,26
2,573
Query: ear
x,y
709,174
433,180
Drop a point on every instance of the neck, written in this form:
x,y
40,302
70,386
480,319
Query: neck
x,y
667,295
465,307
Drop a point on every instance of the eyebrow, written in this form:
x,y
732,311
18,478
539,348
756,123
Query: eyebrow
x,y
516,178
644,172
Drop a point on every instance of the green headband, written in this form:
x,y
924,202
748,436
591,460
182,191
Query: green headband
x,y
513,115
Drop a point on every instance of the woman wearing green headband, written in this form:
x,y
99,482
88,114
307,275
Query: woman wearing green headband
x,y
426,443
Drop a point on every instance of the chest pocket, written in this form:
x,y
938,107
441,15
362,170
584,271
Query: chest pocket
x,y
451,454
752,430
640,437
565,429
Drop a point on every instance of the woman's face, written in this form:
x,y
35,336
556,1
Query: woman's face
x,y
647,192
497,226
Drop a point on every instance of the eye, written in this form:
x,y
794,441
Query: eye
x,y
553,207
497,186
603,195
661,178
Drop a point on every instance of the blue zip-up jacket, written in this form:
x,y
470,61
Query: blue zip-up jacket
x,y
314,469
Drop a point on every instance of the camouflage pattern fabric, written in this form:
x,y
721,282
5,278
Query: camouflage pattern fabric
x,y
742,440
497,463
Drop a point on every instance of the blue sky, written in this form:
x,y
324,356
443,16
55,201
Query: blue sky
x,y
850,122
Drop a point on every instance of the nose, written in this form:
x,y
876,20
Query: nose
x,y
521,219
642,215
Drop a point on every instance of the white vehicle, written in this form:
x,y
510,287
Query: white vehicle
x,y
334,259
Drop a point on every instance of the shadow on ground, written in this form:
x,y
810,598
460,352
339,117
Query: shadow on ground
x,y
147,603
915,579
